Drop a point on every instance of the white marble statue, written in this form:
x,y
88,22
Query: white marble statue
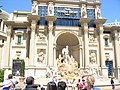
x,y
65,53
34,5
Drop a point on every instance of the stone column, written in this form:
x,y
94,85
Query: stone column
x,y
2,29
27,42
54,54
50,20
99,25
116,51
1,46
84,24
33,19
81,57
8,43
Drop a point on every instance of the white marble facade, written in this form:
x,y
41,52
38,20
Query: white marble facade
x,y
22,38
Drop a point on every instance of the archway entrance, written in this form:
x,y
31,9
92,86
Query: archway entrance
x,y
68,39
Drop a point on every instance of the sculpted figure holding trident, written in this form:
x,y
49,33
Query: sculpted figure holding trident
x,y
65,53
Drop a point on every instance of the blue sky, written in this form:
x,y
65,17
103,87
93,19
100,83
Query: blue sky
x,y
110,8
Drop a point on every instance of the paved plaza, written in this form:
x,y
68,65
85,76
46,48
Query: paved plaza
x,y
102,87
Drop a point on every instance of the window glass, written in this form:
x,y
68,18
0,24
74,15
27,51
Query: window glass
x,y
19,39
106,41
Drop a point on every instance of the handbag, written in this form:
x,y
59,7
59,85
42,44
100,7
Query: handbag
x,y
5,88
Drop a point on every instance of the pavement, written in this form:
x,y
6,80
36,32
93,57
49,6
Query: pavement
x,y
109,87
102,86
117,87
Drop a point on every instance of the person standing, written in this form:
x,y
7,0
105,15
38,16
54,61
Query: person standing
x,y
51,86
112,83
61,85
9,84
79,85
30,84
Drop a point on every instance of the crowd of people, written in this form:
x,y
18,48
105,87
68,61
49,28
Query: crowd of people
x,y
85,83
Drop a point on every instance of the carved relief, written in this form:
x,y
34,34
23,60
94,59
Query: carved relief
x,y
91,38
41,37
41,56
93,56
93,66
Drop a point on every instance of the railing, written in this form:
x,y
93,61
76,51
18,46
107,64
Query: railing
x,y
113,24
70,0
80,0
93,0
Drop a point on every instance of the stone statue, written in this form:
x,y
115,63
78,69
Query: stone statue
x,y
92,57
65,53
50,9
93,67
98,12
83,11
34,6
67,66
48,72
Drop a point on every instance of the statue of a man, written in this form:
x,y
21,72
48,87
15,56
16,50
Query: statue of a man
x,y
34,6
65,53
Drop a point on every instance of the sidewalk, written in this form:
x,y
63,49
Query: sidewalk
x,y
109,87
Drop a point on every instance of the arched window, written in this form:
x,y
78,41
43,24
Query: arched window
x,y
19,39
106,39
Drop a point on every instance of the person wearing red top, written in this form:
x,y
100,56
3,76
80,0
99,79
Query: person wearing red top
x,y
79,85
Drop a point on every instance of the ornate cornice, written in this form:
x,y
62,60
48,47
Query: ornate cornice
x,y
85,20
9,23
50,18
100,21
33,17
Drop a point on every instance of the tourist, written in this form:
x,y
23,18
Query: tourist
x,y
30,84
73,84
9,84
84,85
51,86
112,83
61,85
79,85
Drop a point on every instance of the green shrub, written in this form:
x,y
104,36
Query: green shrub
x,y
1,75
22,67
